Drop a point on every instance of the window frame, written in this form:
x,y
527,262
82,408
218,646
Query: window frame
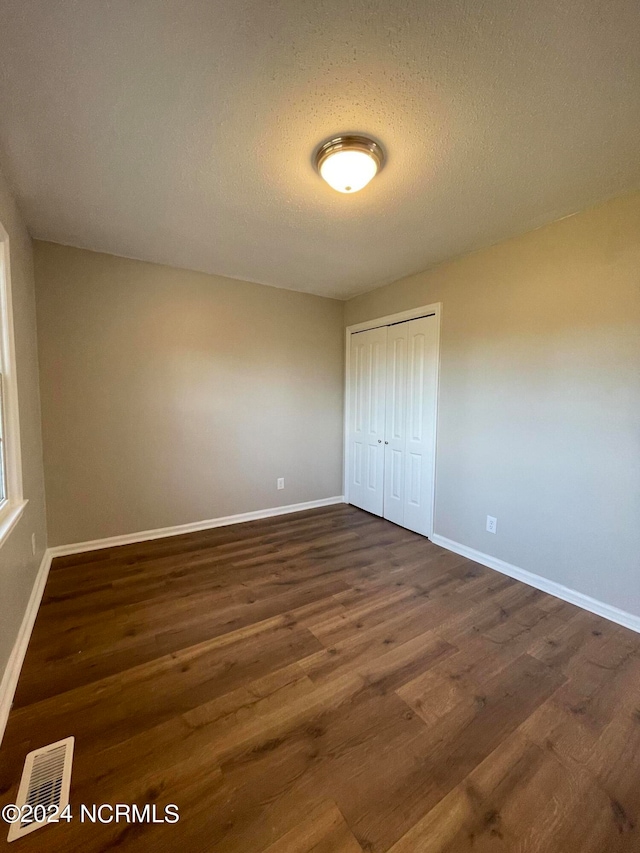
x,y
14,503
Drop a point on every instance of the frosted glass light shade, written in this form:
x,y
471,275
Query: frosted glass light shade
x,y
348,171
348,163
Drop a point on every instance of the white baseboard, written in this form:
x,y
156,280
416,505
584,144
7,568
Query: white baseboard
x,y
600,608
192,527
9,681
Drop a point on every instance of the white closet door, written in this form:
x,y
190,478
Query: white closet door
x,y
367,362
396,418
421,377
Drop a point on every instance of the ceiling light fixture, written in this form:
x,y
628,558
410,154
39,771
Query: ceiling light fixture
x,y
348,163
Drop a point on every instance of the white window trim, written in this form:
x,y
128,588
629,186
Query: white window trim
x,y
13,507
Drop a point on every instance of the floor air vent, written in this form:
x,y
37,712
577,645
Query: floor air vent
x,y
44,787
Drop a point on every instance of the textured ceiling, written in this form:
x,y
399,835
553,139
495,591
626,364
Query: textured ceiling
x,y
182,132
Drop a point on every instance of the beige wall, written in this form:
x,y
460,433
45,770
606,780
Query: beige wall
x,y
171,396
18,566
539,421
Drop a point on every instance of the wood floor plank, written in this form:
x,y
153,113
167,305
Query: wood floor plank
x,y
323,831
355,651
519,799
328,682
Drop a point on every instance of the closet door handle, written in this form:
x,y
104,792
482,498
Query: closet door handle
x,y
379,441
386,442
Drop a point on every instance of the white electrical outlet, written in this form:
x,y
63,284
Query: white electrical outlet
x,y
33,544
492,524
281,482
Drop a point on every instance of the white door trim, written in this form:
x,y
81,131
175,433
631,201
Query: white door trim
x,y
434,309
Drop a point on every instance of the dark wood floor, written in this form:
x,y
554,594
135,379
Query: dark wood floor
x,y
328,682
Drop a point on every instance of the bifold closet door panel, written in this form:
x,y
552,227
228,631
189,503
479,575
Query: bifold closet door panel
x,y
367,380
396,418
420,424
